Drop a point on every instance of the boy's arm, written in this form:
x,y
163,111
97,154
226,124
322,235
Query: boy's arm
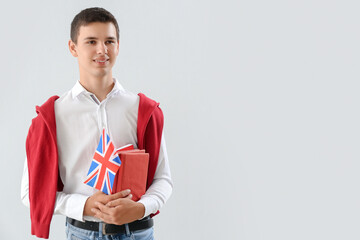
x,y
25,186
71,205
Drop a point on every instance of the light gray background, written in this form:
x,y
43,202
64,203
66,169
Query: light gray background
x,y
261,100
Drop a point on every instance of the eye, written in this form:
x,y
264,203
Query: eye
x,y
91,42
110,41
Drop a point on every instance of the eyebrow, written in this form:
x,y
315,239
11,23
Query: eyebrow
x,y
92,38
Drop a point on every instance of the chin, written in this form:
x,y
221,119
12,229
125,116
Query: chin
x,y
102,73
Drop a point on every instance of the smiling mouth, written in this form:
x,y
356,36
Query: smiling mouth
x,y
101,61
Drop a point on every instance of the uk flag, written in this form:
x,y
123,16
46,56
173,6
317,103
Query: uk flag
x,y
104,165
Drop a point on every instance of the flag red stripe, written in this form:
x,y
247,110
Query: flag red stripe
x,y
113,167
109,186
88,180
105,164
100,178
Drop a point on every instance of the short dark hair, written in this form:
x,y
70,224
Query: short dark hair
x,y
90,15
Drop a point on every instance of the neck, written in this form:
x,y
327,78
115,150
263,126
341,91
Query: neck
x,y
100,86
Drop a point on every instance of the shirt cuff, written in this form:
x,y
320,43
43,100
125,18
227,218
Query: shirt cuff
x,y
71,205
81,202
150,205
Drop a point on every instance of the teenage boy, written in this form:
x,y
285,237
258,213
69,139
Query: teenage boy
x,y
63,137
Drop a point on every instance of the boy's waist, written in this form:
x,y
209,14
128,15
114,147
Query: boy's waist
x,y
144,223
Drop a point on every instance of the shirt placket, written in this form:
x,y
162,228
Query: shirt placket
x,y
102,116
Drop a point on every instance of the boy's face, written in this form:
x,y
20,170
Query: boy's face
x,y
96,49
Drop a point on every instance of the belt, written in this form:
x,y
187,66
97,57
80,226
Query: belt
x,y
111,228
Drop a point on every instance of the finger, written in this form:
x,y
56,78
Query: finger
x,y
102,216
121,194
96,211
119,201
99,193
100,197
103,208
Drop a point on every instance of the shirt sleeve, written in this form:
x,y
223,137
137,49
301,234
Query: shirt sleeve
x,y
161,188
71,205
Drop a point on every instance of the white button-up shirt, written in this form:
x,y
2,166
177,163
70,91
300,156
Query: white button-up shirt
x,y
80,118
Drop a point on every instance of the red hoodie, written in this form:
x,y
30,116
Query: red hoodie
x,y
42,157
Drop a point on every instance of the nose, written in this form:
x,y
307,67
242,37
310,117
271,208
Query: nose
x,y
102,48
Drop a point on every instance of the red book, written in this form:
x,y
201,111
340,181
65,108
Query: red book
x,y
132,173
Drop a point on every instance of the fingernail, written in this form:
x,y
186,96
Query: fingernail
x,y
128,191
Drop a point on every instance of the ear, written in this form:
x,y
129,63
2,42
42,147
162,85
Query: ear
x,y
117,47
72,48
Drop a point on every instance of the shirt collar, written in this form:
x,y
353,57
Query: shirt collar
x,y
79,89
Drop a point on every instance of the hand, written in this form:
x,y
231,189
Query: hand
x,y
119,211
104,199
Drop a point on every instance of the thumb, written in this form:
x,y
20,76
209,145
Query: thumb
x,y
121,194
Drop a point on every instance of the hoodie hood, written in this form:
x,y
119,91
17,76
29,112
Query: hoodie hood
x,y
146,109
